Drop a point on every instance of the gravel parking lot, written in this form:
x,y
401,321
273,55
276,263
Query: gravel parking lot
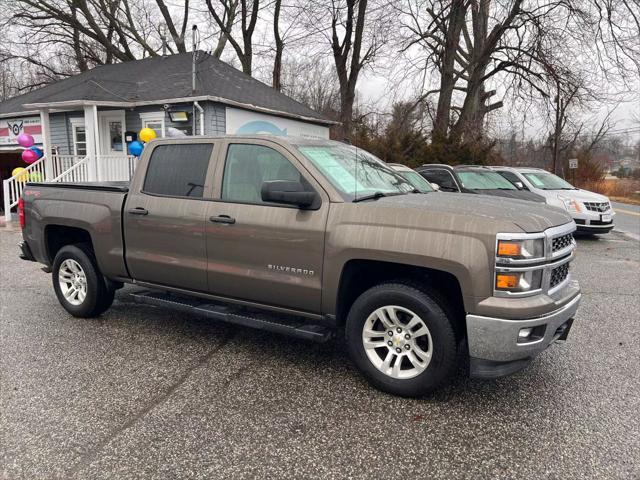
x,y
146,393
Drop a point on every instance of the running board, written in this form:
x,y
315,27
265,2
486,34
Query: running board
x,y
262,320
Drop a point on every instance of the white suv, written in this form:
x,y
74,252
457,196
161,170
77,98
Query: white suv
x,y
592,212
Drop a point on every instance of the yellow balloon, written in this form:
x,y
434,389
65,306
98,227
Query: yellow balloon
x,y
22,172
147,134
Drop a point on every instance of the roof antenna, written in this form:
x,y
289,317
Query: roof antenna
x,y
194,51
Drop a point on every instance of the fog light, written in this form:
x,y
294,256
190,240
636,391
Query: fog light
x,y
525,333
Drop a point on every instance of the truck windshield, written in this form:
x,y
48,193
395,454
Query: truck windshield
x,y
484,180
355,172
548,181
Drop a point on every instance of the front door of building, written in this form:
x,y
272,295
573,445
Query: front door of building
x,y
112,164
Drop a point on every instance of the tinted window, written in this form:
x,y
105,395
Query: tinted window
x,y
248,166
178,170
512,177
441,177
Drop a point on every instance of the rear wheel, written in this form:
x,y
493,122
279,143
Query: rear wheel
x,y
79,285
402,340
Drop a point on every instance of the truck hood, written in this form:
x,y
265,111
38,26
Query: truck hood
x,y
529,216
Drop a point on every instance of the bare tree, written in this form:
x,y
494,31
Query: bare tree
x,y
248,18
279,47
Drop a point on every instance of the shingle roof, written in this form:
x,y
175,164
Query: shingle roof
x,y
163,78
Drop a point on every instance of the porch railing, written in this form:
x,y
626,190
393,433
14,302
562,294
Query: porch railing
x,y
78,172
12,187
69,169
113,168
62,163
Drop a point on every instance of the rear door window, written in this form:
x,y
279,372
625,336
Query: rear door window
x,y
178,170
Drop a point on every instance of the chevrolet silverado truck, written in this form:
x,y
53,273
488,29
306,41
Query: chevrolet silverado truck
x,y
308,237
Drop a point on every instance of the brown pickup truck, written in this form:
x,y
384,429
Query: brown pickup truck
x,y
309,237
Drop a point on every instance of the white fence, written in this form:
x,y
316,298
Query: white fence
x,y
12,187
78,172
69,169
114,168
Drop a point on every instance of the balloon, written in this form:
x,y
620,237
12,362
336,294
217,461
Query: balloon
x,y
23,175
25,140
147,134
35,177
29,156
39,152
135,148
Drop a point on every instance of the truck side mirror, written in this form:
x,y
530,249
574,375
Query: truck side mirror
x,y
519,185
290,193
435,186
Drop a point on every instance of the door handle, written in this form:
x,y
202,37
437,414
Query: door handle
x,y
138,211
226,219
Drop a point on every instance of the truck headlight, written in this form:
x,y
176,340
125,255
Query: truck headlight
x,y
527,249
569,204
525,281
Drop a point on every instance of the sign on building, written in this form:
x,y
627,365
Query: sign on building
x,y
573,163
10,128
245,122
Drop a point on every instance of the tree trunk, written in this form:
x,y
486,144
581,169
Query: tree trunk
x,y
279,44
447,73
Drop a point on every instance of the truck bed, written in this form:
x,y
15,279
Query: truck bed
x,y
122,187
92,207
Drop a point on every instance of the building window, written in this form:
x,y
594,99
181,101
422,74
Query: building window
x,y
79,137
154,121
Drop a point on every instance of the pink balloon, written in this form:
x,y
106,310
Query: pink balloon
x,y
29,156
25,140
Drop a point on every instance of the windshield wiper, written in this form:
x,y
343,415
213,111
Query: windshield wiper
x,y
373,196
377,195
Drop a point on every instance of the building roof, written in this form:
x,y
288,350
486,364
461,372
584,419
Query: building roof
x,y
162,79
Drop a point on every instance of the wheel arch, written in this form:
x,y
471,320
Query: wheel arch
x,y
358,275
57,236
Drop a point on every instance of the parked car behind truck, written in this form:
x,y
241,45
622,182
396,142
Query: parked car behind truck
x,y
592,212
474,179
305,237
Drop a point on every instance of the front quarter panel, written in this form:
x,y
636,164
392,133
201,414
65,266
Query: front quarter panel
x,y
456,244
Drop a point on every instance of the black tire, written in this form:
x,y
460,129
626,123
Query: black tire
x,y
98,296
431,309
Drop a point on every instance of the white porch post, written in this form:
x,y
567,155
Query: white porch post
x,y
92,135
46,144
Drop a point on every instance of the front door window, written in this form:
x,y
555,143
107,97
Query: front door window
x,y
115,136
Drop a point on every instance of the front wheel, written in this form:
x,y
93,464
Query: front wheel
x,y
402,340
78,283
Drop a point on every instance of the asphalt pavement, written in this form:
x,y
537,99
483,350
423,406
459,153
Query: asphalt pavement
x,y
144,392
627,219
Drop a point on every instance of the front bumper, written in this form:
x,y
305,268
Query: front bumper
x,y
493,342
594,222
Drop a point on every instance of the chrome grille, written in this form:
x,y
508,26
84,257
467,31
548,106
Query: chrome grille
x,y
561,242
558,275
597,206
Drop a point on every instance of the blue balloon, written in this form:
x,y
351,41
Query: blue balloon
x,y
135,148
39,152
